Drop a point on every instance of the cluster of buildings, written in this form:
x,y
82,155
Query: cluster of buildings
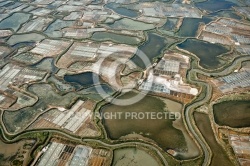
x,y
244,49
158,9
228,32
43,2
41,12
97,14
5,33
80,33
86,17
75,120
81,14
157,12
60,154
13,7
241,148
69,8
27,58
76,15
50,48
122,1
16,75
152,20
37,24
90,50
166,77
183,1
104,59
235,80
215,38
12,75
86,21
244,10
4,51
59,3
2,97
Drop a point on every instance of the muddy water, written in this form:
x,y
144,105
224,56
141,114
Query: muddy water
x,y
133,157
159,130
